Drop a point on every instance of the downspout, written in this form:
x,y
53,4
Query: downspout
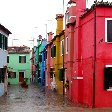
x,y
94,69
63,68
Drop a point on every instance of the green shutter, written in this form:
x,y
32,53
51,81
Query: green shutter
x,y
19,59
6,43
52,52
62,47
54,48
61,75
0,40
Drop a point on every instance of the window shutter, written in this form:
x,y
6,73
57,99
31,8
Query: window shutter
x,y
46,54
19,59
62,47
0,40
7,59
54,51
61,74
6,42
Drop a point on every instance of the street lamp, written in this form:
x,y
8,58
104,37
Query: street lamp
x,y
13,40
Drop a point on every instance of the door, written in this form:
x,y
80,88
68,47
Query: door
x,y
21,76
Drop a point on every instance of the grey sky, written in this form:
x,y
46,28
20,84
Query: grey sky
x,y
26,19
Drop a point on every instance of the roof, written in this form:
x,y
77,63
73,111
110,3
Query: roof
x,y
19,50
97,4
5,29
56,36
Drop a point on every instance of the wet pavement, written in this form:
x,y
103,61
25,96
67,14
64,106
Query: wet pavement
x,y
35,99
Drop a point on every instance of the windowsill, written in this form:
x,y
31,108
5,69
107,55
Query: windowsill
x,y
108,42
109,89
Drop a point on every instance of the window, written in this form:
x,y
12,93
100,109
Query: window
x,y
67,17
108,78
2,75
45,54
62,47
61,74
53,51
108,29
40,58
7,59
66,45
12,75
3,42
22,59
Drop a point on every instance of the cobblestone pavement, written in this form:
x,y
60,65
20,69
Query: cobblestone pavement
x,y
36,99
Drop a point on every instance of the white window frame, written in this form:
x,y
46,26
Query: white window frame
x,y
66,45
106,19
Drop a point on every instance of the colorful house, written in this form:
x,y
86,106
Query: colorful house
x,y
54,56
38,56
48,60
42,64
70,21
18,64
4,33
90,78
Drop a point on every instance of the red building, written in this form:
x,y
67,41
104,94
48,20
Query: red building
x,y
88,62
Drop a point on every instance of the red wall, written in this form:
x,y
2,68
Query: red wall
x,y
103,57
80,59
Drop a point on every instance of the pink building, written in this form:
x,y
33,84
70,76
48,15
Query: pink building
x,y
88,60
49,62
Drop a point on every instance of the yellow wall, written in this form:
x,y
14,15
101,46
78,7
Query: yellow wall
x,y
57,61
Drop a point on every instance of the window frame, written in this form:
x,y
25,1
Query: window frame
x,y
62,51
106,19
66,45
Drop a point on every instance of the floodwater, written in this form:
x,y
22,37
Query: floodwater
x,y
35,99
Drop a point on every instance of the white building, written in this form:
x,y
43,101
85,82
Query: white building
x,y
4,33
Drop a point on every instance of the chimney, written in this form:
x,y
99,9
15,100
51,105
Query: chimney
x,y
50,35
59,18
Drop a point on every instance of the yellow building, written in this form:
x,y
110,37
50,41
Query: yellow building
x,y
57,60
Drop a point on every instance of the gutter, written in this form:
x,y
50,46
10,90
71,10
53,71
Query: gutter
x,y
94,69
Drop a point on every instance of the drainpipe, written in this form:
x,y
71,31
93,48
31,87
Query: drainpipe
x,y
94,69
63,68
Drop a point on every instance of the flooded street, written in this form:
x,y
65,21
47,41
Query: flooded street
x,y
36,99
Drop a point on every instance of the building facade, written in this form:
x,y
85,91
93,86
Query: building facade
x,y
89,53
4,33
18,64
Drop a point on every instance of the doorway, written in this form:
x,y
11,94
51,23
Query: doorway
x,y
21,76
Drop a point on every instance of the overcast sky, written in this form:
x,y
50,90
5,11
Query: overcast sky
x,y
26,19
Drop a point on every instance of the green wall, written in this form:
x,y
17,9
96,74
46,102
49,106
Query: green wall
x,y
17,67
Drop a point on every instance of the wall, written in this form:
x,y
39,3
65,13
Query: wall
x,y
3,58
17,67
1,89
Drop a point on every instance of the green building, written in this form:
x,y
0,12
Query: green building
x,y
18,64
